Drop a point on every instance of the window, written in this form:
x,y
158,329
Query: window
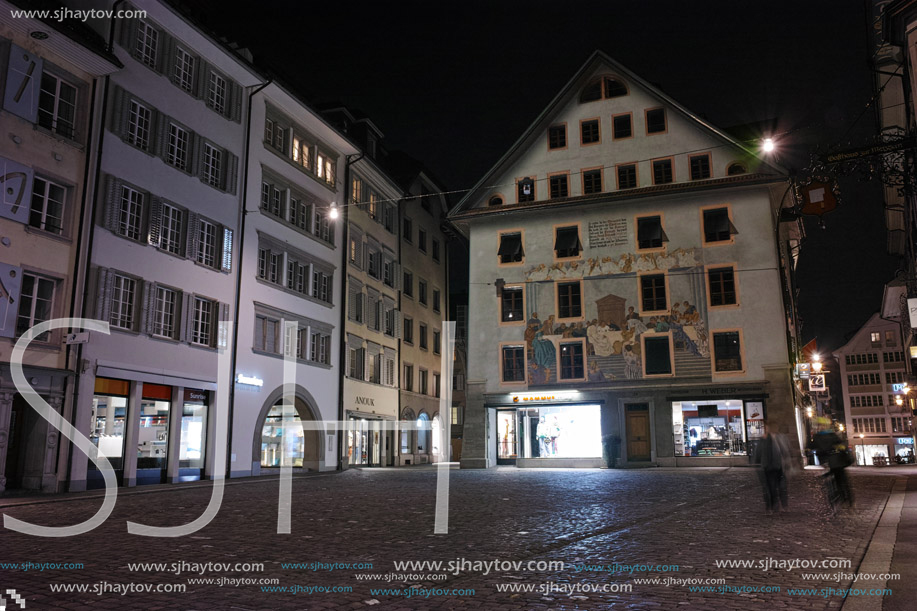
x,y
409,378
407,230
722,286
496,200
650,233
183,70
123,293
302,152
513,365
321,283
437,342
375,368
170,237
36,296
592,181
511,305
146,44
421,239
557,136
589,131
662,171
437,382
130,214
558,186
592,92
213,165
374,211
408,331
423,382
569,300
322,226
266,335
605,87
653,293
203,322
525,190
325,168
299,214
274,135
207,244
408,286
422,332
138,126
320,348
622,126
435,250
57,105
875,338
510,250
566,242
727,352
357,356
657,354
655,121
613,88
216,94
388,217
572,361
164,313
700,166
177,154
627,176
734,169
436,300
717,225
890,338
272,199
47,206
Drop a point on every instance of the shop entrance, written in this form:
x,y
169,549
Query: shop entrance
x,y
153,439
506,437
109,414
638,431
17,442
366,442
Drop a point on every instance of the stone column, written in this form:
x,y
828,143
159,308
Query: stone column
x,y
132,434
6,407
79,463
474,434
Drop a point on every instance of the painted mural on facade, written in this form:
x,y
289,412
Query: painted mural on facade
x,y
611,323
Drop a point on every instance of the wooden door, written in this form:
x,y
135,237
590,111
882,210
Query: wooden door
x,y
638,431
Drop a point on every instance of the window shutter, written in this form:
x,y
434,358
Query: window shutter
x,y
112,204
398,324
196,166
23,84
128,34
222,330
379,323
397,279
103,294
361,307
117,111
192,235
236,106
259,333
226,260
230,172
160,134
352,304
201,79
147,307
187,316
270,336
155,224
289,339
165,54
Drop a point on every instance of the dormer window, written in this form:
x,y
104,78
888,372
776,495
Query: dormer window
x,y
614,88
496,200
735,168
605,87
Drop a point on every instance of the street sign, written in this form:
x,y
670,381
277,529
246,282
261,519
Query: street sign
x,y
77,338
868,151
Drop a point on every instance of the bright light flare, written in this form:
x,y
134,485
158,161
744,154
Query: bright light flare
x,y
768,145
333,213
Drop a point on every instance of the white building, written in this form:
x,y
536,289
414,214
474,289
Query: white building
x,y
52,99
627,280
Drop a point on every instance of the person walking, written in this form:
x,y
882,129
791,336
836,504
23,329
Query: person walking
x,y
774,457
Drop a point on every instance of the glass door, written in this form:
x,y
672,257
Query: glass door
x,y
506,437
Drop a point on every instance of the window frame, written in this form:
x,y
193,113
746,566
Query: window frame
x,y
668,296
630,116
601,174
654,334
735,282
703,232
582,299
512,323
502,347
566,175
534,189
691,158
559,365
51,337
65,206
598,122
500,234
646,122
653,162
566,140
647,215
714,371
729,164
579,235
618,167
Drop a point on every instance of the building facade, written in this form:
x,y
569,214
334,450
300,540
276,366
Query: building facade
x,y
52,101
873,369
628,281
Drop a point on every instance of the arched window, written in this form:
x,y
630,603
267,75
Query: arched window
x,y
614,88
423,434
436,443
496,200
282,442
406,416
735,168
592,92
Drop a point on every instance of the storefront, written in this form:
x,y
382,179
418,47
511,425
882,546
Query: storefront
x,y
365,441
153,437
193,442
371,413
716,428
282,439
904,447
108,422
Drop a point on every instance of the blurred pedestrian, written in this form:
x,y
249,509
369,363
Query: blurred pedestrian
x,y
774,456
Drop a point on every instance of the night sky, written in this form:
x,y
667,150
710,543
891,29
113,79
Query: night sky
x,y
454,84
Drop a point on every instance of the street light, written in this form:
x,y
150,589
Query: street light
x,y
768,145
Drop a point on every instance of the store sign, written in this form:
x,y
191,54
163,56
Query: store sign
x,y
817,383
897,387
754,410
912,311
364,401
249,380
529,397
802,370
195,395
904,441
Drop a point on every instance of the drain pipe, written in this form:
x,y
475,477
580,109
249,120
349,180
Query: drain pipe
x,y
243,212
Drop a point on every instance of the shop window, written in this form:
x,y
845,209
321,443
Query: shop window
x,y
511,304
727,352
569,300
713,428
722,286
557,136
592,181
700,166
550,431
192,443
107,421
513,364
653,293
650,233
622,126
662,172
511,250
558,185
627,176
282,439
153,436
566,242
655,121
717,226
572,360
589,132
657,355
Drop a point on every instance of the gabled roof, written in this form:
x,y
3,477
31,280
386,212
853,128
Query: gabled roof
x,y
573,86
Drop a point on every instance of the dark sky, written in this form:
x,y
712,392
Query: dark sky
x,y
455,83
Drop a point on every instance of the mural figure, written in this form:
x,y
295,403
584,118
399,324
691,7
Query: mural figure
x,y
595,375
543,350
633,369
538,375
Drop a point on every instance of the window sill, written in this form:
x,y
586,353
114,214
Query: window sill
x,y
304,170
57,237
291,292
728,242
63,139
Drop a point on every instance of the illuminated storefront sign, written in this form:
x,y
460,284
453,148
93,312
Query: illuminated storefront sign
x,y
558,395
249,380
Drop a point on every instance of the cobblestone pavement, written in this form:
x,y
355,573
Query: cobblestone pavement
x,y
585,518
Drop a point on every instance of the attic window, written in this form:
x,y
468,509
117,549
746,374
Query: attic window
x,y
496,200
735,168
592,92
604,87
614,88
